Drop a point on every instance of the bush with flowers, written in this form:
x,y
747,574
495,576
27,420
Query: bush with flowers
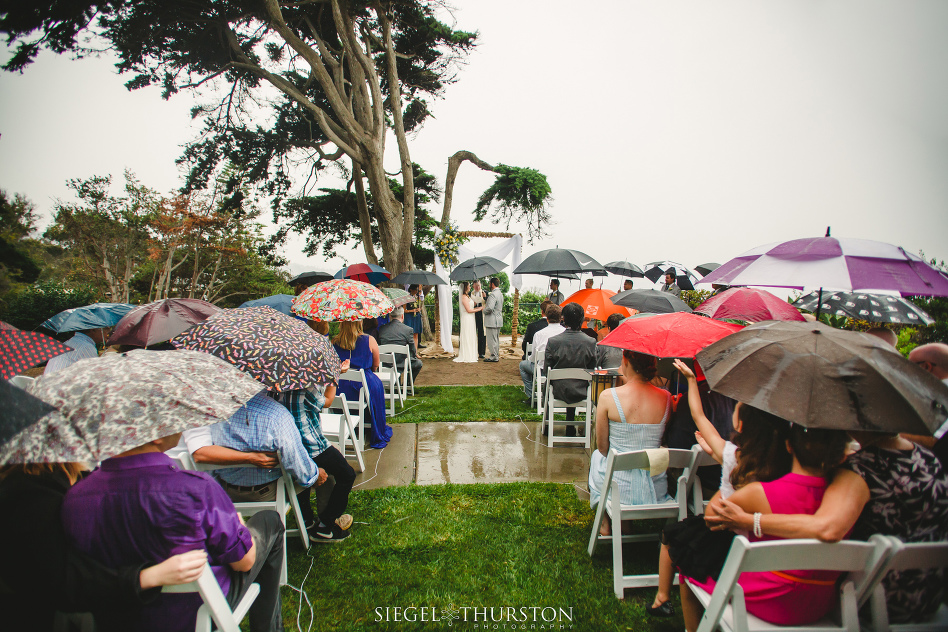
x,y
446,245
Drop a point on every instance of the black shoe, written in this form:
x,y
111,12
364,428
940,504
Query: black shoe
x,y
491,360
330,534
422,346
664,610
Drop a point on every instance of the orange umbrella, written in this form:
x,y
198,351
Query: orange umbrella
x,y
596,304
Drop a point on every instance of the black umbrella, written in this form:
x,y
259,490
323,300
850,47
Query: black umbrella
x,y
821,377
20,410
477,268
624,268
874,308
707,268
419,277
309,278
556,262
651,301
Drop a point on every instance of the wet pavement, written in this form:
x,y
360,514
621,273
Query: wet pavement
x,y
474,452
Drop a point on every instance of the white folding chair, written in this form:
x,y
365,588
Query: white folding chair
x,y
553,405
404,372
538,381
701,459
611,504
390,377
336,423
21,381
285,501
215,607
725,608
361,404
916,556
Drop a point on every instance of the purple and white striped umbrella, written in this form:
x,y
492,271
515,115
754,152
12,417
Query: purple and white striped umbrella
x,y
836,264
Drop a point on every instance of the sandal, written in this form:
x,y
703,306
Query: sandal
x,y
664,610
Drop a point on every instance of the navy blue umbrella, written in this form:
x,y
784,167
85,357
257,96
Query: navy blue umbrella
x,y
88,317
279,302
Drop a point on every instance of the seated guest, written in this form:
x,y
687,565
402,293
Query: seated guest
x,y
630,417
609,357
254,435
869,495
84,344
139,506
570,350
304,405
794,597
534,327
396,332
362,351
540,338
41,574
932,357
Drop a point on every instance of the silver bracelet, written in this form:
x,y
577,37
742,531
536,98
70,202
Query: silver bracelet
x,y
757,532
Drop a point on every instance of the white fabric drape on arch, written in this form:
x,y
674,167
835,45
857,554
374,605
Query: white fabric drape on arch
x,y
507,251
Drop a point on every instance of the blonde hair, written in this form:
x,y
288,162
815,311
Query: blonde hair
x,y
71,470
349,332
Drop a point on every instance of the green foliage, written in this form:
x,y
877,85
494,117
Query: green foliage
x,y
29,307
520,194
18,263
937,308
906,340
464,403
695,297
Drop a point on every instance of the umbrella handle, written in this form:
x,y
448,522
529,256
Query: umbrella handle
x,y
819,299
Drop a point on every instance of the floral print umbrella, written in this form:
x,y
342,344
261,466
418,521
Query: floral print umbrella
x,y
20,350
124,400
342,299
278,350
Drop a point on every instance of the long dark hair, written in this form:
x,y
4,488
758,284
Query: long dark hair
x,y
643,364
818,448
465,288
762,446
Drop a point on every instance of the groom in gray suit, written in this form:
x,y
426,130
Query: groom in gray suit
x,y
493,319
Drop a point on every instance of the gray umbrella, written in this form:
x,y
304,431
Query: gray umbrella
x,y
556,261
20,409
477,268
418,277
624,268
821,377
311,277
651,301
874,308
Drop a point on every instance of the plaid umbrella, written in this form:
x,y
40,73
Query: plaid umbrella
x,y
278,350
124,400
342,299
398,296
365,272
20,350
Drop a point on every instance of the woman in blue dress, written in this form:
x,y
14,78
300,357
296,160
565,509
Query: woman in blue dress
x,y
363,353
413,312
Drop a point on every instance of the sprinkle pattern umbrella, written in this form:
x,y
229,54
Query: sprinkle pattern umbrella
x,y
596,304
477,268
873,308
124,400
88,317
342,299
750,304
651,301
20,410
821,377
418,277
160,321
677,335
277,350
365,272
20,350
280,302
555,261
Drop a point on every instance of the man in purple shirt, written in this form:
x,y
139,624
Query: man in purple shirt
x,y
139,506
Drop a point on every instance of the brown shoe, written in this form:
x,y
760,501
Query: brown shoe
x,y
344,521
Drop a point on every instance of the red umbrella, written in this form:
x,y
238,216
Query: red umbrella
x,y
365,272
20,350
677,335
160,321
596,304
744,303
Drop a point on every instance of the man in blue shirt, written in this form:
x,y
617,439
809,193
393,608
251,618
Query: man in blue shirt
x,y
83,345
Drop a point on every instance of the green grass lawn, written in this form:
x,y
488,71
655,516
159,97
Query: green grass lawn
x,y
450,547
464,403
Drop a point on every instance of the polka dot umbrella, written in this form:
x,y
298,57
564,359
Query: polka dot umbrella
x,y
20,350
342,299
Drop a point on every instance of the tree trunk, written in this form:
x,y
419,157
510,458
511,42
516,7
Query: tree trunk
x,y
365,222
454,163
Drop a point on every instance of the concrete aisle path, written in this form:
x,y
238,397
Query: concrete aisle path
x,y
474,452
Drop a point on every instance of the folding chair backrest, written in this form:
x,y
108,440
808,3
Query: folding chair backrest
x,y
22,381
215,603
701,459
904,557
529,351
337,423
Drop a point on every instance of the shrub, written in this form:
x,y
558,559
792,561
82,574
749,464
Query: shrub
x,y
29,307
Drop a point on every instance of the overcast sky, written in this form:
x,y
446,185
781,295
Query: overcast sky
x,y
690,131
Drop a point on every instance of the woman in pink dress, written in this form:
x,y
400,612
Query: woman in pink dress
x,y
785,597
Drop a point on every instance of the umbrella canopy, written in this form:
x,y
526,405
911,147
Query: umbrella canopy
x,y
419,277
125,400
707,268
365,272
280,351
280,302
556,261
744,303
624,268
160,321
6,325
596,304
678,335
820,377
20,409
837,264
88,317
651,301
685,277
874,308
398,296
20,350
308,278
341,299
477,268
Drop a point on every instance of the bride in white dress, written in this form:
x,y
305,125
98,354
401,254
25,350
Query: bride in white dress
x,y
467,348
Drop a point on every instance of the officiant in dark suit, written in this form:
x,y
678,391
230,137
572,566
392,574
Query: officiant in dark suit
x,y
478,296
